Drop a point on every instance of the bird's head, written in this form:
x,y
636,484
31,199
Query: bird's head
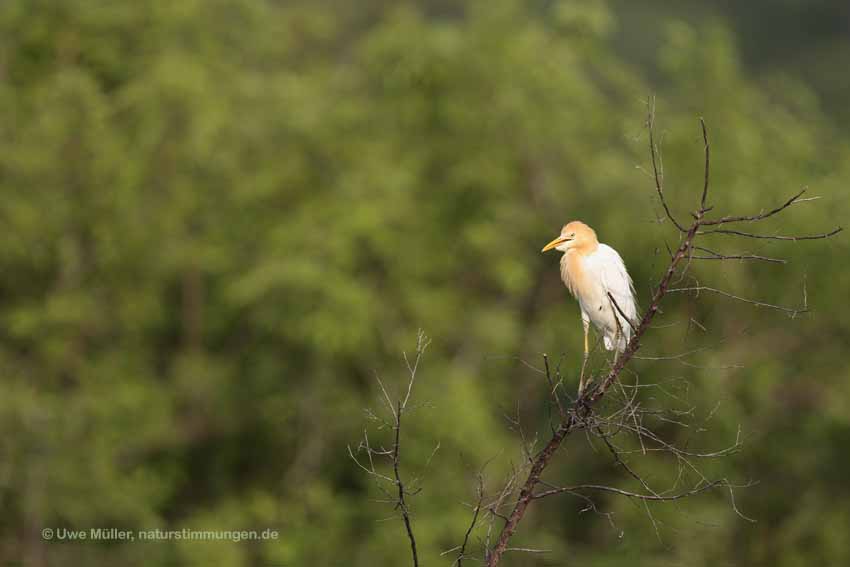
x,y
576,235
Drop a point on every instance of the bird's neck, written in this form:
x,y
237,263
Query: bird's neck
x,y
584,248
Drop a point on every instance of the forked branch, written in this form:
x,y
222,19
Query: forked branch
x,y
397,411
581,413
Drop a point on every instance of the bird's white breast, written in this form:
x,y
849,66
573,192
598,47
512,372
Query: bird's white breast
x,y
578,274
590,278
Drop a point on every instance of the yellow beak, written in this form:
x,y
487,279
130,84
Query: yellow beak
x,y
554,243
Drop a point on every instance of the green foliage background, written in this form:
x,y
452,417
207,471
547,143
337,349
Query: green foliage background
x,y
221,218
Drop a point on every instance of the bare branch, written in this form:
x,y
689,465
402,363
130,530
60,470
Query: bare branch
x,y
620,311
772,237
402,505
707,164
528,550
616,454
581,414
593,395
526,493
653,152
553,389
720,256
387,397
636,495
761,216
397,410
422,343
632,414
462,553
794,311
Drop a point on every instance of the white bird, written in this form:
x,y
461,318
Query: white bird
x,y
592,271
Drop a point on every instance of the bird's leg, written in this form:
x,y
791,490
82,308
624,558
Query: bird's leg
x,y
585,324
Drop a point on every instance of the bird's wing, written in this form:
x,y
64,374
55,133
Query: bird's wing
x,y
609,267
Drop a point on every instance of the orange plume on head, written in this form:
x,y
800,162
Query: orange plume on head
x,y
584,237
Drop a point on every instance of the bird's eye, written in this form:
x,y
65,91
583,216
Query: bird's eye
x,y
573,235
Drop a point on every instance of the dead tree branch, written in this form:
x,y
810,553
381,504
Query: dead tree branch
x,y
760,216
397,410
719,256
581,415
635,495
658,173
625,430
820,236
461,549
402,505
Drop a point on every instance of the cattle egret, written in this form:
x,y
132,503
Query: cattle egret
x,y
592,271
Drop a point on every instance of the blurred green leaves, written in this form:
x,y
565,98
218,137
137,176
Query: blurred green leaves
x,y
223,218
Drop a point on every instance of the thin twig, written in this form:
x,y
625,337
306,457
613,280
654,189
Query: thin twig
x,y
720,256
636,495
772,237
553,389
620,311
653,151
792,310
462,553
707,164
762,215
